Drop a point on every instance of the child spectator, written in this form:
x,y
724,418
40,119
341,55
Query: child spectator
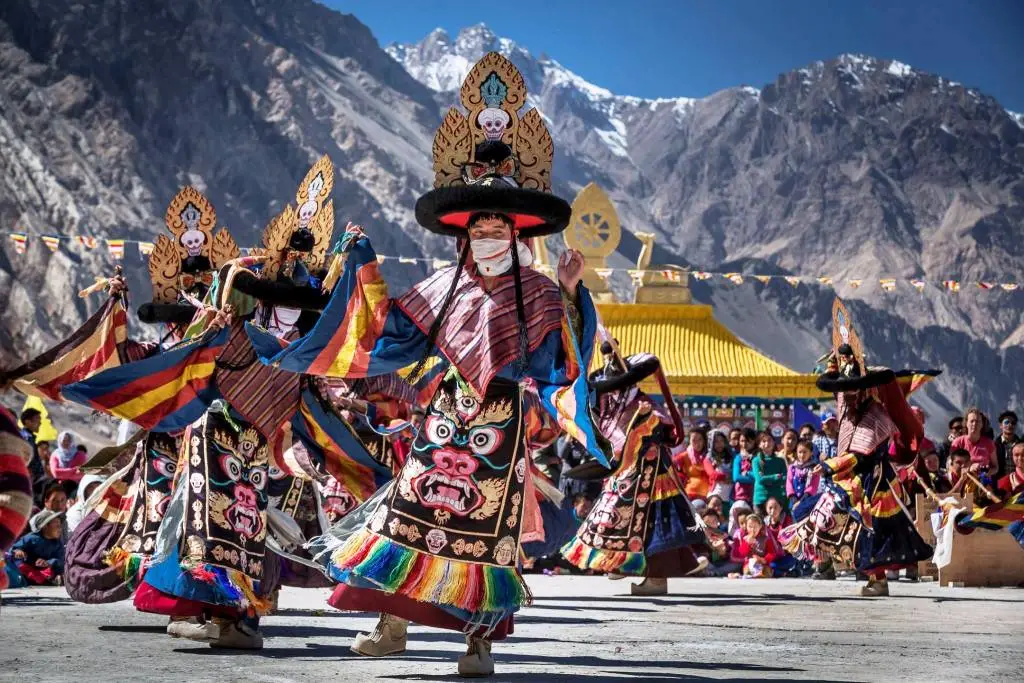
x,y
788,450
981,449
39,556
720,562
66,459
716,505
959,462
718,465
769,474
776,516
802,483
758,548
937,480
742,468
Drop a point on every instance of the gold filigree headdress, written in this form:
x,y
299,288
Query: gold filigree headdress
x,y
194,253
315,214
491,159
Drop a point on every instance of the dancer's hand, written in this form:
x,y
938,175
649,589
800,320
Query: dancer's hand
x,y
116,285
570,269
222,318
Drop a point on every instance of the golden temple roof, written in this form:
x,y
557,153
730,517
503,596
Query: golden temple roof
x,y
700,356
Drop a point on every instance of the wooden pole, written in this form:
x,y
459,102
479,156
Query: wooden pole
x,y
983,488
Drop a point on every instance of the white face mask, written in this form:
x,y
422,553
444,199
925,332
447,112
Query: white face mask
x,y
494,257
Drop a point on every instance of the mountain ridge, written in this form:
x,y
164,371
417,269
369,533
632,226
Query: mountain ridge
x,y
850,168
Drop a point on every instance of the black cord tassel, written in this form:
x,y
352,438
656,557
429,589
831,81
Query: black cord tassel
x,y
524,346
435,328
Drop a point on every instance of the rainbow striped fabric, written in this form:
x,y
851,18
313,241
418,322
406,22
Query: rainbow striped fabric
x,y
92,348
570,405
165,392
996,516
342,342
330,440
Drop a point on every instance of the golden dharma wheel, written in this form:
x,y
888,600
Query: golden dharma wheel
x,y
594,228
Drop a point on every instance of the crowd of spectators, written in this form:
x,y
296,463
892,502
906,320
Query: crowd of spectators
x,y
37,558
748,485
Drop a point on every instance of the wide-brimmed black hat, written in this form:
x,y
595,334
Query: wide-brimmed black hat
x,y
837,383
447,210
639,367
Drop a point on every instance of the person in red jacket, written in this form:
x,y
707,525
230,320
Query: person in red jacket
x,y
758,548
1013,481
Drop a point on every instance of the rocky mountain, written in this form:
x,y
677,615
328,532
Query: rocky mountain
x,y
855,167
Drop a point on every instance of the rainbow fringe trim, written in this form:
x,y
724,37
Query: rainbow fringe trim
x,y
394,568
131,566
583,556
231,586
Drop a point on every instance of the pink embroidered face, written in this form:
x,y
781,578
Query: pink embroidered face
x,y
450,486
823,514
243,515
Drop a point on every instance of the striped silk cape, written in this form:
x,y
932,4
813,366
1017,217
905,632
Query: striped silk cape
x,y
480,333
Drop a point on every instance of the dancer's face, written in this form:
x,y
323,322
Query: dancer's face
x,y
490,228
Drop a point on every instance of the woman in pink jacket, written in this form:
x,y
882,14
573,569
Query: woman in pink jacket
x,y
65,460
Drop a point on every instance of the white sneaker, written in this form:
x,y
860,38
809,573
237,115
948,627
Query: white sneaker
x,y
193,629
388,638
477,662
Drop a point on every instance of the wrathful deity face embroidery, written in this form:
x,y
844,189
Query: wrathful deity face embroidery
x,y
460,491
460,436
244,470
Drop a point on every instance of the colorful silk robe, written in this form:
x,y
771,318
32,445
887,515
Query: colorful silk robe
x,y
448,532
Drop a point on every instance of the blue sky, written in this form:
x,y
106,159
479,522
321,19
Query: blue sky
x,y
695,47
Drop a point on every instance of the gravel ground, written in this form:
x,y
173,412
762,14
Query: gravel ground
x,y
579,630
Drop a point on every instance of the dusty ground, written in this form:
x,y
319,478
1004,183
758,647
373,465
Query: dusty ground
x,y
580,630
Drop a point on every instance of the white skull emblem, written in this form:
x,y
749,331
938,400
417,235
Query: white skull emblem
x,y
436,540
306,213
193,241
493,121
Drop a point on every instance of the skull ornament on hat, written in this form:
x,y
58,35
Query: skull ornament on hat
x,y
492,160
303,233
193,255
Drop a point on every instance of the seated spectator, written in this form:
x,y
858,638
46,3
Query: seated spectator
x,y
720,562
982,450
1014,481
77,511
959,463
739,510
716,505
776,516
802,482
39,555
66,459
759,549
937,480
